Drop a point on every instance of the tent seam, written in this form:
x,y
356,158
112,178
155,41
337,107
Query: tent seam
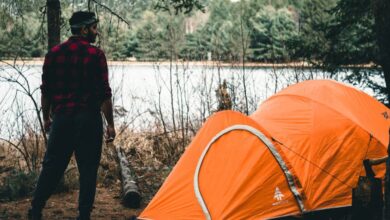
x,y
271,148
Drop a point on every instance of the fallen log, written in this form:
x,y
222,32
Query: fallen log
x,y
130,193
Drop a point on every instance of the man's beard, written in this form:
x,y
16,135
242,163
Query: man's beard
x,y
91,37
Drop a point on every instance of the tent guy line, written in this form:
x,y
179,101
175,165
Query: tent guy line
x,y
322,169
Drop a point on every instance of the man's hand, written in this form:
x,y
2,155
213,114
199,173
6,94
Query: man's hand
x,y
46,113
47,125
110,136
107,111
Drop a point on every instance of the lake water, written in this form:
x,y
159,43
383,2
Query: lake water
x,y
142,91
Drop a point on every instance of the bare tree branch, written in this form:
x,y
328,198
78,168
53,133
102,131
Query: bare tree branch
x,y
108,9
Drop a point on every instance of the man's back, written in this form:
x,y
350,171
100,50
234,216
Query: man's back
x,y
75,76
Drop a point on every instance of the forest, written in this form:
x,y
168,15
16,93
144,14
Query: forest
x,y
326,33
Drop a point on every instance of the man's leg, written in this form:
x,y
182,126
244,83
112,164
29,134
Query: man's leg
x,y
57,156
88,152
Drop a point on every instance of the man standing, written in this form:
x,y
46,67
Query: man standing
x,y
74,89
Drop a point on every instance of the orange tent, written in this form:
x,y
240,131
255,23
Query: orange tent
x,y
301,151
327,129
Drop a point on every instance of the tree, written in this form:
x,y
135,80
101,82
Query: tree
x,y
381,10
219,29
311,43
355,37
195,47
382,27
244,33
273,29
53,8
149,38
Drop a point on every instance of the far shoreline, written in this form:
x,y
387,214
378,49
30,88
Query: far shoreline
x,y
39,61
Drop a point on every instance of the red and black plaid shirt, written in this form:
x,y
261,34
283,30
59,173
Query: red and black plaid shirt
x,y
75,76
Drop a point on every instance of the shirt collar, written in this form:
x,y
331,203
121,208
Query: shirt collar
x,y
78,38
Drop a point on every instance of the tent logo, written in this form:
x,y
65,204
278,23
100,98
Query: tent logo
x,y
278,194
385,115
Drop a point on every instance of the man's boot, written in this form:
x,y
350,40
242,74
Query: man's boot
x,y
84,216
34,214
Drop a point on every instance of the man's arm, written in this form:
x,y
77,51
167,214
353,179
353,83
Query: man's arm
x,y
46,112
106,106
107,111
45,101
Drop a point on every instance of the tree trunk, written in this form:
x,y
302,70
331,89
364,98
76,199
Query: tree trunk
x,y
53,23
381,10
382,28
53,10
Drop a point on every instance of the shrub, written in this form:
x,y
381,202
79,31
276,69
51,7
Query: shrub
x,y
17,184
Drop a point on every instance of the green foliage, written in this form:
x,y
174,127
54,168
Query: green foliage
x,y
149,38
195,47
311,44
352,37
273,29
172,34
351,34
19,28
327,33
152,33
17,185
130,45
218,31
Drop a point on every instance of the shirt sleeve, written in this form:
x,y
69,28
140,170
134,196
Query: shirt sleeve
x,y
45,89
104,76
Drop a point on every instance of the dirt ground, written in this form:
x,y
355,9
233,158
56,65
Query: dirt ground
x,y
140,151
64,206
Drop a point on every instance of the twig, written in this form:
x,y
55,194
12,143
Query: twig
x,y
111,11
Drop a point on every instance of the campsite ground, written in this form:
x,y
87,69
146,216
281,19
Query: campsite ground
x,y
150,174
64,206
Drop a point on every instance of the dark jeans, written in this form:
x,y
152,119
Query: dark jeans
x,y
81,133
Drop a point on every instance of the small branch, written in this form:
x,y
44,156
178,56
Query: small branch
x,y
130,122
111,11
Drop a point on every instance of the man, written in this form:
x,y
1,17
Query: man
x,y
74,89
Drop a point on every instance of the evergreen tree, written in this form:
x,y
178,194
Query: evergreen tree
x,y
353,39
218,30
351,35
149,38
311,43
273,29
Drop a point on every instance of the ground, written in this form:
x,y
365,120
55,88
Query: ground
x,y
149,173
64,206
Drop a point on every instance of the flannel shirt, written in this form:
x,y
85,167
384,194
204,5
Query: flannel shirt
x,y
75,76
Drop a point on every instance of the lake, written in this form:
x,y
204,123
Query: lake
x,y
144,93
